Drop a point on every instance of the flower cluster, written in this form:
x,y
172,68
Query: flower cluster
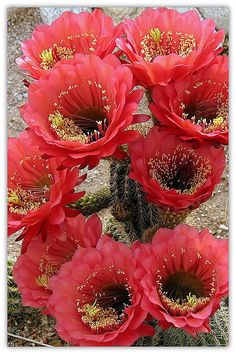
x,y
107,289
82,106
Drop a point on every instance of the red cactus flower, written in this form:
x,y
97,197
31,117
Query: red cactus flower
x,y
37,192
184,275
87,105
197,107
71,33
97,292
42,260
175,174
164,45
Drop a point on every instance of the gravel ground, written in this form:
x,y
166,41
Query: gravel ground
x,y
21,22
212,214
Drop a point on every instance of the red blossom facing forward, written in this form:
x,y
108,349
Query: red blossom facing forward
x,y
97,291
175,174
85,33
196,107
42,260
37,192
80,110
184,275
164,45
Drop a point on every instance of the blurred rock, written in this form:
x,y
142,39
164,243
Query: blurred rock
x,y
219,14
49,14
223,227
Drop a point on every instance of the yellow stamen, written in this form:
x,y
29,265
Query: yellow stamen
x,y
48,271
192,300
66,128
218,121
57,119
92,310
98,318
155,33
42,280
13,198
47,59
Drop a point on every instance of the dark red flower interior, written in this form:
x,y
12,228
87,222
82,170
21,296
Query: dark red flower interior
x,y
183,170
29,185
103,298
206,104
81,113
182,291
180,284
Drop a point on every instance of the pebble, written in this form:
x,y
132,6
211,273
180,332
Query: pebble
x,y
219,14
223,227
19,97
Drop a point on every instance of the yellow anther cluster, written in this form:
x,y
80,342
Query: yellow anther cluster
x,y
98,318
47,272
42,280
191,304
47,58
155,33
157,43
66,129
13,198
50,56
57,119
21,201
218,121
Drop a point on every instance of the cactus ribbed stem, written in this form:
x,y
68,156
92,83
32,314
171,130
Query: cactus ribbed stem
x,y
118,231
170,219
13,301
149,233
93,202
218,336
132,203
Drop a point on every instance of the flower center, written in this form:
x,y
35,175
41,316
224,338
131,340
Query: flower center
x,y
182,292
30,185
48,270
75,119
102,306
49,57
208,106
84,42
99,319
182,170
157,43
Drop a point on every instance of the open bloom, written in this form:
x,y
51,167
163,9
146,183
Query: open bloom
x,y
38,194
43,259
175,174
80,110
164,45
71,33
197,107
96,299
184,275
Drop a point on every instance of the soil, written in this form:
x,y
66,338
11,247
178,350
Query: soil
x,y
213,214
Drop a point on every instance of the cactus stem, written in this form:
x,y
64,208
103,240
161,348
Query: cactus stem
x,y
93,202
170,219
